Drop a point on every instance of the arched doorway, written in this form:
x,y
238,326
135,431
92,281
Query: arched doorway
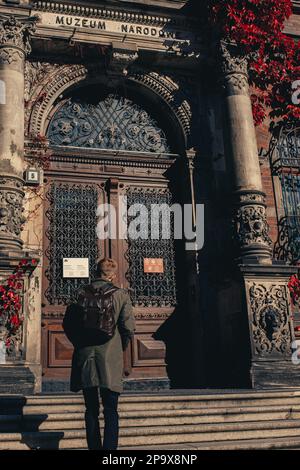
x,y
107,143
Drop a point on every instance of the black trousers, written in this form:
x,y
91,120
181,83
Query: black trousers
x,y
111,418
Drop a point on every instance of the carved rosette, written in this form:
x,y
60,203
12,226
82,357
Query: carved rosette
x,y
251,229
11,211
270,320
234,67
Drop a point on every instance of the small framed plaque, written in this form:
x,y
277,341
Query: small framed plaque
x,y
75,267
153,265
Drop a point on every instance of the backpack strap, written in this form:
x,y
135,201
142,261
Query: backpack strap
x,y
106,291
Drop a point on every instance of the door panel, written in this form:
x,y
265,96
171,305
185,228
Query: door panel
x,y
69,232
70,221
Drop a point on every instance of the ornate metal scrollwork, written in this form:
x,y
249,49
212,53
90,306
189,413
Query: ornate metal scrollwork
x,y
114,123
71,234
270,320
151,289
287,246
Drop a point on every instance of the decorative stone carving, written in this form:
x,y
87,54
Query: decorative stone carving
x,y
270,319
171,90
57,78
15,39
60,77
234,69
122,56
34,74
250,224
11,208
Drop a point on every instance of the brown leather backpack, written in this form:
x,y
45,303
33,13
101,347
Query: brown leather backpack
x,y
98,312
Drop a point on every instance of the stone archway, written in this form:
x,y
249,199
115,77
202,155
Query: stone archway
x,y
45,82
104,171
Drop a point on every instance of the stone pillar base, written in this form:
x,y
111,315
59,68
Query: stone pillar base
x,y
274,374
270,328
255,328
16,379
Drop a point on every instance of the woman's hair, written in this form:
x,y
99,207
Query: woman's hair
x,y
107,269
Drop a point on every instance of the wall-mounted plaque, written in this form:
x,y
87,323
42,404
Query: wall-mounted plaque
x,y
76,267
153,265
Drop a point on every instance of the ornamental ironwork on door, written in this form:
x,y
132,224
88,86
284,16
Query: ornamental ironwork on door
x,y
114,123
71,233
151,289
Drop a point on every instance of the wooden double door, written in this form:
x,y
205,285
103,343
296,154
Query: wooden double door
x,y
75,186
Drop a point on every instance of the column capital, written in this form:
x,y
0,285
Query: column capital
x,y
234,66
15,35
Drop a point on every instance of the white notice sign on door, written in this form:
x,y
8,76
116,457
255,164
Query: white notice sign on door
x,y
75,267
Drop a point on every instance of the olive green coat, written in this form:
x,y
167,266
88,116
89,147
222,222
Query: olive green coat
x,y
102,366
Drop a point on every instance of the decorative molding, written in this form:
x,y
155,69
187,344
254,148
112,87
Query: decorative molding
x,y
171,91
113,14
119,161
152,315
270,318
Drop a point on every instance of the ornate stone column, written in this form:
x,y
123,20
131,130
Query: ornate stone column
x,y
259,298
250,224
14,45
15,372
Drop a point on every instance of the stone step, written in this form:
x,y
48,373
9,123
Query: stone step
x,y
156,436
200,396
198,419
275,443
73,404
65,421
172,405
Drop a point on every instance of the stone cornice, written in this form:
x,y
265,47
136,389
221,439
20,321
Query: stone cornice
x,y
113,13
109,157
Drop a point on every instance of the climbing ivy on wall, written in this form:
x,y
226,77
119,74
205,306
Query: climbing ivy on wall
x,y
256,26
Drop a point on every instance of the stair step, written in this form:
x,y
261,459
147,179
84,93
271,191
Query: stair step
x,y
65,421
76,439
275,443
140,406
206,420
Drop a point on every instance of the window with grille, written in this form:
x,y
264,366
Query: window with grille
x,y
286,166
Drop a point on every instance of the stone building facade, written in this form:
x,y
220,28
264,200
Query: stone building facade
x,y
101,100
